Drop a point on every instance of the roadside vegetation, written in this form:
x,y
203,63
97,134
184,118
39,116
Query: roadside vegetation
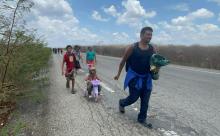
x,y
23,63
195,55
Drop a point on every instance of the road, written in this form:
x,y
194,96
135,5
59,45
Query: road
x,y
185,102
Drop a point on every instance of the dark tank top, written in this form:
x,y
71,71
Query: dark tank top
x,y
139,60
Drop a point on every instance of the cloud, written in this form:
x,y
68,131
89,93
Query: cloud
x,y
52,8
153,25
121,37
208,28
111,11
162,37
201,13
58,25
133,13
198,14
96,16
180,7
186,30
191,33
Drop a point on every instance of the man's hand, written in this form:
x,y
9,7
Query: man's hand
x,y
157,69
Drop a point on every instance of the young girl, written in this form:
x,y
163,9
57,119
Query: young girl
x,y
93,84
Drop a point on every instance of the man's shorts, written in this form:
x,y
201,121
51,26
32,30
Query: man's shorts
x,y
70,76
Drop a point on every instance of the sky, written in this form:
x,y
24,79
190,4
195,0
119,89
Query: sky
x,y
102,22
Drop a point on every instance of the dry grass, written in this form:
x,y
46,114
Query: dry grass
x,y
195,55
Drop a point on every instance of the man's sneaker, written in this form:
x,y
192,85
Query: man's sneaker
x,y
145,124
67,84
121,109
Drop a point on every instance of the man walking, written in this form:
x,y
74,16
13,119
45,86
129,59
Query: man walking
x,y
138,77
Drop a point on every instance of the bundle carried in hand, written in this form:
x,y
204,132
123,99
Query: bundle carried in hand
x,y
156,62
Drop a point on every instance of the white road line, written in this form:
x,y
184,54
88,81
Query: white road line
x,y
136,109
194,69
168,132
107,88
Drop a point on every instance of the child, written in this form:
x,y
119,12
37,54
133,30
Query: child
x,y
90,58
93,83
69,59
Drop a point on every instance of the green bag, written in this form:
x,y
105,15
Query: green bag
x,y
156,62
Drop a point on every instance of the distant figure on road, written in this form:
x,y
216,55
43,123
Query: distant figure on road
x,y
138,77
69,59
90,57
61,50
58,50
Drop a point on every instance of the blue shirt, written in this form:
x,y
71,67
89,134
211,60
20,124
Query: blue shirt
x,y
140,78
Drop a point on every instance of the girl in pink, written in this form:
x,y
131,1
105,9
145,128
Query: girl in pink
x,y
93,83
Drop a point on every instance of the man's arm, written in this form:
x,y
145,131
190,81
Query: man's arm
x,y
127,53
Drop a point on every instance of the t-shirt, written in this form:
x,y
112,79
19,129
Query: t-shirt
x,y
90,55
69,59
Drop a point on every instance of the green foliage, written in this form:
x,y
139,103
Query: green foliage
x,y
26,59
12,129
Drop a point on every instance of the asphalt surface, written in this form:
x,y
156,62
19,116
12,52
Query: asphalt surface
x,y
185,101
74,115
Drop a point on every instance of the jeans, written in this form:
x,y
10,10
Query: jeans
x,y
134,94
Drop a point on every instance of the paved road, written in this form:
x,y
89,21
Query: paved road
x,y
73,115
185,101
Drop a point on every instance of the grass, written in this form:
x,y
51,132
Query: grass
x,y
27,62
195,55
13,129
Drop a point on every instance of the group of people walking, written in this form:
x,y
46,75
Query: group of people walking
x,y
136,60
57,50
